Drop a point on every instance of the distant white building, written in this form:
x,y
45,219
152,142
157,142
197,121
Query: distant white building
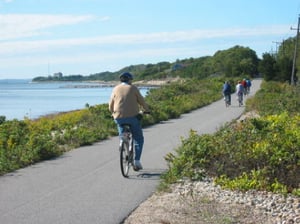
x,y
58,75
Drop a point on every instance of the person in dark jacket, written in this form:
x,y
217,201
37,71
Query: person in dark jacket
x,y
227,91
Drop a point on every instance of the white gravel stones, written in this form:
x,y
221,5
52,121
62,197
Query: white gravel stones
x,y
281,209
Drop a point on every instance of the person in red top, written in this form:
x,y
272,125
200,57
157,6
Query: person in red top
x,y
124,104
244,84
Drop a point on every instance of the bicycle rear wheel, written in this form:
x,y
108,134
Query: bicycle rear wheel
x,y
240,100
124,158
227,101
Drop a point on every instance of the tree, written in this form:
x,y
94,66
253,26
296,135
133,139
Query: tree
x,y
267,67
278,67
285,59
236,61
284,69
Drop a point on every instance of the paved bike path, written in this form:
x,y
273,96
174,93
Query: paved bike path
x,y
86,186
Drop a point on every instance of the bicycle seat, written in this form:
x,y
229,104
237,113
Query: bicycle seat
x,y
126,127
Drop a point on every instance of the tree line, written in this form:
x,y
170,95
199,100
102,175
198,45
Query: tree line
x,y
237,61
278,66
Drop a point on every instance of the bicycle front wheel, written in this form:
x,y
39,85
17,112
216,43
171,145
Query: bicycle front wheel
x,y
240,100
124,158
227,101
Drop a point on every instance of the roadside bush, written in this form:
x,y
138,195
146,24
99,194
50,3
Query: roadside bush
x,y
172,100
258,153
274,98
244,155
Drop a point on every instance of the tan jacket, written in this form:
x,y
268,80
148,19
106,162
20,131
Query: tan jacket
x,y
125,100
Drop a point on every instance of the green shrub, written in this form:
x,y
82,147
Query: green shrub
x,y
275,98
261,153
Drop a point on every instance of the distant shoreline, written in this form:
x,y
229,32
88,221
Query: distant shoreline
x,y
101,84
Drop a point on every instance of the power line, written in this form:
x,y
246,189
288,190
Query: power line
x,y
295,53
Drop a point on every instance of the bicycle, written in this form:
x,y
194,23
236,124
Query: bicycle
x,y
227,100
126,148
240,98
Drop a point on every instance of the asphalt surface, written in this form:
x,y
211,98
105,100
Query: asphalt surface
x,y
85,186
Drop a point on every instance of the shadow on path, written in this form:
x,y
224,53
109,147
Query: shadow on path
x,y
147,174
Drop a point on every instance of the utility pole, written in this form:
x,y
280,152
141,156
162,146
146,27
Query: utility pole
x,y
277,43
295,53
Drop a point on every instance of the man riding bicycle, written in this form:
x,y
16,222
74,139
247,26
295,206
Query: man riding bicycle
x,y
227,92
124,106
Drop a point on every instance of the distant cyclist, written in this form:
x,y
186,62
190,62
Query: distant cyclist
x,y
239,92
244,84
248,82
227,92
124,105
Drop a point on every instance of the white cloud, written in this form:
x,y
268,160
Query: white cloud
x,y
19,47
27,25
105,18
96,57
111,50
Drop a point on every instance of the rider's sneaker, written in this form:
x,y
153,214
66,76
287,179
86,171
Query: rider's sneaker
x,y
137,165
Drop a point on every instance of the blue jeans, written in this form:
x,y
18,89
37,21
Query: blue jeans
x,y
137,132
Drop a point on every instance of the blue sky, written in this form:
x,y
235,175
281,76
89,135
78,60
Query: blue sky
x,y
41,37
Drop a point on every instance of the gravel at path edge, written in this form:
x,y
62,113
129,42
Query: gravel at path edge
x,y
202,203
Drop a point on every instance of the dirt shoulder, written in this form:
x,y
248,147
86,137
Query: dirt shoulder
x,y
156,83
186,204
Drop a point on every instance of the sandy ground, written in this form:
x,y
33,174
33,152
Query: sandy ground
x,y
188,207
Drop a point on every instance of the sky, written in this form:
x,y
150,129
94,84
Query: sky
x,y
43,37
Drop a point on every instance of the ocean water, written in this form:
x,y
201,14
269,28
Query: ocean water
x,y
22,98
